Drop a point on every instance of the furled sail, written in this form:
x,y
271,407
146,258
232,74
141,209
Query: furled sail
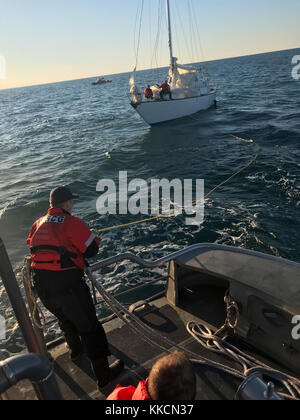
x,y
186,81
132,78
135,91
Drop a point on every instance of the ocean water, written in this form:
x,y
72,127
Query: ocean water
x,y
60,134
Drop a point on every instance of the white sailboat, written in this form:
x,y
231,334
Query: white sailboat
x,y
191,91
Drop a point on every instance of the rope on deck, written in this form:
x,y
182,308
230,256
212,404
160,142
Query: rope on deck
x,y
207,339
250,365
38,317
148,334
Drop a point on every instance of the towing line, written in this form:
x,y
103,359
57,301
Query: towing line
x,y
173,213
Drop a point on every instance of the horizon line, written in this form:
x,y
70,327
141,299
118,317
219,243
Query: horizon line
x,y
145,69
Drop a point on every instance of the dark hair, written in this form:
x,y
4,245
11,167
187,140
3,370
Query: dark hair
x,y
58,205
172,378
60,195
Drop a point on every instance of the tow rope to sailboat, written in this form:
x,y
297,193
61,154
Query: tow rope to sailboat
x,y
37,314
211,341
175,214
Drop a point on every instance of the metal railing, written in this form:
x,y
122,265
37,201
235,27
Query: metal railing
x,y
35,339
39,327
142,263
128,256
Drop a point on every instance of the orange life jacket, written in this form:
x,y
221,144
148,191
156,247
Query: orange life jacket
x,y
58,240
148,93
130,393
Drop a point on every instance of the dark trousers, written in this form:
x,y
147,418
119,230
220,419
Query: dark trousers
x,y
66,295
165,93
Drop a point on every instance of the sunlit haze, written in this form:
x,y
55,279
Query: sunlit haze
x,y
49,41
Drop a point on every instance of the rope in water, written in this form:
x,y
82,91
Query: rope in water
x,y
174,214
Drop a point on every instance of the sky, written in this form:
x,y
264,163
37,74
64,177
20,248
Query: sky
x,y
43,41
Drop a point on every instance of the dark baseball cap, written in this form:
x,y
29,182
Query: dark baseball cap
x,y
60,195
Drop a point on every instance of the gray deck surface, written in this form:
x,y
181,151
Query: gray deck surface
x,y
77,381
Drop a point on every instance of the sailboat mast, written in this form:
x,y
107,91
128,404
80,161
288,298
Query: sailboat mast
x,y
170,35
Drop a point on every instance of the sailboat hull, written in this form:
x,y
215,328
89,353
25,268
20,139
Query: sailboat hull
x,y
155,112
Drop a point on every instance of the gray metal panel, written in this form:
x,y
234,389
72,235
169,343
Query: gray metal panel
x,y
274,276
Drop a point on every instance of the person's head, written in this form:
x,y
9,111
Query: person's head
x,y
172,378
62,197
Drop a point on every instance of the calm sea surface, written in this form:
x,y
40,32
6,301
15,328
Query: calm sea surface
x,y
61,133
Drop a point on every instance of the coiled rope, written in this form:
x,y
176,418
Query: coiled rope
x,y
149,335
207,339
249,364
37,314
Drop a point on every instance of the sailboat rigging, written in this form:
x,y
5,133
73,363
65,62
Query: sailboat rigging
x,y
188,90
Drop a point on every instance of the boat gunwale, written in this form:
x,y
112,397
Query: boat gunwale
x,y
201,246
137,104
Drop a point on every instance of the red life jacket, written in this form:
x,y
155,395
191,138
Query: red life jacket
x,y
131,393
58,241
148,93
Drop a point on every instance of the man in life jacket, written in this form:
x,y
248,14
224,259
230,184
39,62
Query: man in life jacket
x,y
165,90
148,93
60,245
172,378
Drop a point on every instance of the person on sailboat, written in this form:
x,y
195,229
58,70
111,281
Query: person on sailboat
x,y
165,90
148,93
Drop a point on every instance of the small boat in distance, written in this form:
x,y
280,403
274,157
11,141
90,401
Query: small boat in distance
x,y
189,90
101,81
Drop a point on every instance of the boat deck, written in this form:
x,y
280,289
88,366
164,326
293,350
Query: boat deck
x,y
77,382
